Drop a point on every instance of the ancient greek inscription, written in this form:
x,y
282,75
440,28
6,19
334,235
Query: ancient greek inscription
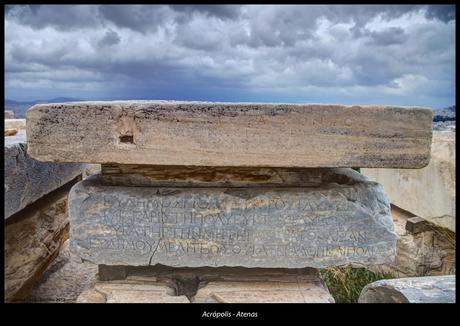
x,y
209,224
253,227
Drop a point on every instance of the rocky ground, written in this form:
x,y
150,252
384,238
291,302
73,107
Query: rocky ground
x,y
65,279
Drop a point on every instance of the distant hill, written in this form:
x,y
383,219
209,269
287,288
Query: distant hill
x,y
20,107
445,114
443,118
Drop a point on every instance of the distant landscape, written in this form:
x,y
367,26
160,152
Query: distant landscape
x,y
442,118
20,107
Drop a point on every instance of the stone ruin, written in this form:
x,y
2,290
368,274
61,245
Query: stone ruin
x,y
424,211
428,289
35,214
227,202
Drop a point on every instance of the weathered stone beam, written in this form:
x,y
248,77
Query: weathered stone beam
x,y
209,285
210,176
428,289
346,220
205,274
26,179
32,241
230,134
429,192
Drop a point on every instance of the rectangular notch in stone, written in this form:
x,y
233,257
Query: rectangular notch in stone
x,y
126,139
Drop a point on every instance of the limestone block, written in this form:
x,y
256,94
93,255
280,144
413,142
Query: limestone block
x,y
130,292
263,292
431,252
9,114
224,284
428,289
15,123
417,225
429,192
32,241
26,179
230,134
344,220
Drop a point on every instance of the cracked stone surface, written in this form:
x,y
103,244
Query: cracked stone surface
x,y
427,289
26,179
32,241
230,134
341,219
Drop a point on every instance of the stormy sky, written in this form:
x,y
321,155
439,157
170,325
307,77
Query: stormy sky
x,y
355,54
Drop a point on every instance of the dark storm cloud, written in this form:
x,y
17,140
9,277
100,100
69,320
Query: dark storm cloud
x,y
110,38
392,35
136,17
221,11
61,17
143,17
399,51
445,13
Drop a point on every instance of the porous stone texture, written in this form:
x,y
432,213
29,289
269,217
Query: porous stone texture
x,y
429,192
32,241
341,218
210,176
65,279
26,179
275,291
15,123
131,291
230,134
428,289
9,114
431,252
